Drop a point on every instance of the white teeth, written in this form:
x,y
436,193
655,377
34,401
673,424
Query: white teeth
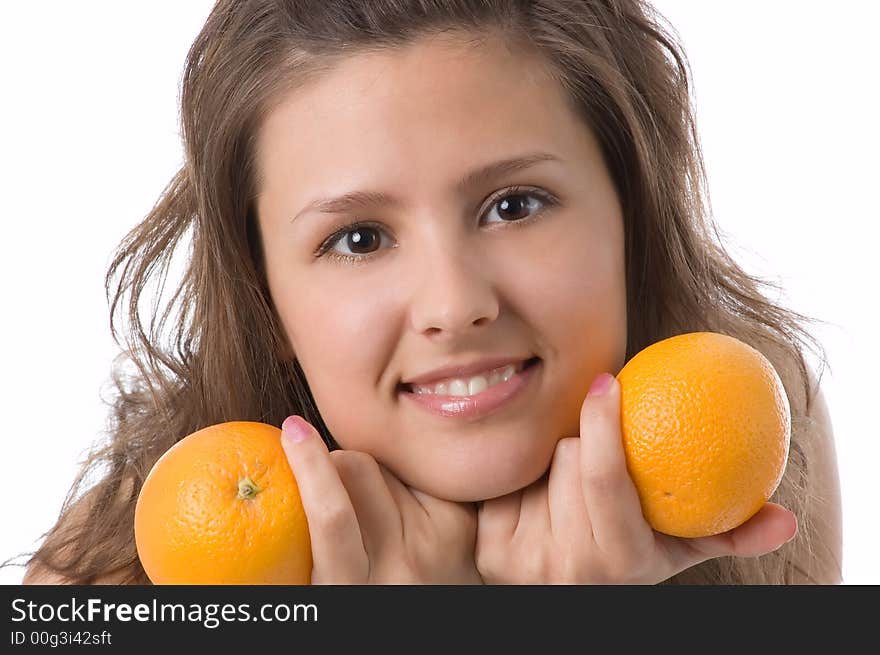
x,y
471,386
476,385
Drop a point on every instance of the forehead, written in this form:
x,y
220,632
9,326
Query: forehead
x,y
440,103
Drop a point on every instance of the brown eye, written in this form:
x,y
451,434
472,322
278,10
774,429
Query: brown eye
x,y
519,206
355,241
362,240
358,242
513,207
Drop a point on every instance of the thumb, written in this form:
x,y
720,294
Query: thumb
x,y
770,528
602,455
609,494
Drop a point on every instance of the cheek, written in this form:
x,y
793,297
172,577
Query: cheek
x,y
341,340
576,290
592,303
576,299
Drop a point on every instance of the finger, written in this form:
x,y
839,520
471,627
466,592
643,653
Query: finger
x,y
338,552
609,494
497,518
378,514
449,521
534,514
437,510
769,529
408,500
568,514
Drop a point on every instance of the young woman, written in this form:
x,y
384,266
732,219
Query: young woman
x,y
428,228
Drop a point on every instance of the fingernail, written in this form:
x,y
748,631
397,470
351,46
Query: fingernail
x,y
601,384
295,428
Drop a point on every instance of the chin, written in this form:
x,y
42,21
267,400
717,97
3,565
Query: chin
x,y
476,485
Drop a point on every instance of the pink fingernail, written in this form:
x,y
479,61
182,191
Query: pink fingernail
x,y
601,384
296,428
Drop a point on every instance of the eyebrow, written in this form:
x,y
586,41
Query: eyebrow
x,y
361,199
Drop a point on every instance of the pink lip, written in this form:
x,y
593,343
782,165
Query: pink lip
x,y
479,405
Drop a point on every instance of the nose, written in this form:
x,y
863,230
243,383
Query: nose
x,y
454,294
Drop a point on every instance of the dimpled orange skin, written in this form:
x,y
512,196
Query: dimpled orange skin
x,y
706,430
193,526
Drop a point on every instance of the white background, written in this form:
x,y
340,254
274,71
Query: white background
x,y
787,112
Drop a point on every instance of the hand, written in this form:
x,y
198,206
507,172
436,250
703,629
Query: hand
x,y
367,527
582,522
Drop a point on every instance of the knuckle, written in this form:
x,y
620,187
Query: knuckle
x,y
570,565
601,483
568,571
513,562
626,564
330,519
595,414
340,457
488,564
490,558
619,570
569,447
534,566
563,571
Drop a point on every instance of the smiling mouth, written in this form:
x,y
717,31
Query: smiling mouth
x,y
461,387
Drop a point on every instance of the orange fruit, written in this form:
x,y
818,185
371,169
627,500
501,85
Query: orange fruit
x,y
221,506
706,429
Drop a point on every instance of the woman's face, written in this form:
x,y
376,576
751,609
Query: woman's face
x,y
456,260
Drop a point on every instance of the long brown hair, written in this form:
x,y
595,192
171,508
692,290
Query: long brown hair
x,y
212,348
